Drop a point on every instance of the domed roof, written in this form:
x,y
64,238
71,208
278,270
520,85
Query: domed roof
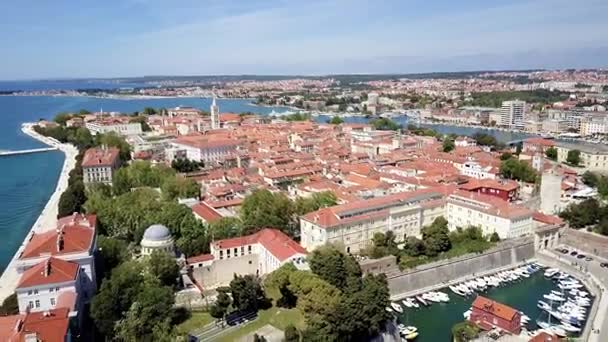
x,y
157,232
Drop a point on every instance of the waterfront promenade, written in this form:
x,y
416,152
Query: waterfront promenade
x,y
48,216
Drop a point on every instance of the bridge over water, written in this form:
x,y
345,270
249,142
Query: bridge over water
x,y
32,150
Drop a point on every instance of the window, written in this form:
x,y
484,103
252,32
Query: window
x,y
52,301
51,289
57,289
37,303
249,249
29,293
31,305
35,292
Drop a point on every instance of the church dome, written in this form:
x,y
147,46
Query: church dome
x,y
157,232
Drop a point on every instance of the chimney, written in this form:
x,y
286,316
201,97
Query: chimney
x,y
60,241
47,268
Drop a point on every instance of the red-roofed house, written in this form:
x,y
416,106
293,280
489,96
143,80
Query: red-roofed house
x,y
488,314
73,240
41,286
201,148
259,253
48,326
99,164
205,213
503,189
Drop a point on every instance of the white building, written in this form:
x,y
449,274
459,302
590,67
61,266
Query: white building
x,y
593,157
118,126
474,170
489,213
202,148
512,114
51,284
589,126
259,254
354,224
73,240
215,115
99,164
157,238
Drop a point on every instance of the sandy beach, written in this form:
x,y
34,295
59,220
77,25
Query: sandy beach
x,y
48,216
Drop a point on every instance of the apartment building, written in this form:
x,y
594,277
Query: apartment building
x,y
120,126
594,157
203,149
490,213
591,126
354,224
512,114
99,164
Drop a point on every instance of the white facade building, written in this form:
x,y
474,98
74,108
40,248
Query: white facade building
x,y
489,213
117,126
512,114
474,170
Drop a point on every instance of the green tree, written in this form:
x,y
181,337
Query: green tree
x,y
180,187
112,139
62,118
385,124
583,214
116,296
247,293
111,252
149,111
305,205
185,165
435,237
518,170
226,227
506,156
335,267
220,308
10,306
264,209
574,157
551,153
448,145
336,120
163,267
71,200
291,334
494,237
464,331
414,247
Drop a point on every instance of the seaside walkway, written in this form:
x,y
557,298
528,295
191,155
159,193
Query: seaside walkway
x,y
32,150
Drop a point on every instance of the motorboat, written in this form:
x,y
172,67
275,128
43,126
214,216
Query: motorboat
x,y
544,306
411,335
388,309
397,307
551,272
553,297
569,328
422,300
457,291
431,297
406,303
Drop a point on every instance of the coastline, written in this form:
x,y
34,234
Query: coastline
x,y
48,216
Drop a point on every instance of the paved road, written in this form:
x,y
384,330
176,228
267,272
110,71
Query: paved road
x,y
600,274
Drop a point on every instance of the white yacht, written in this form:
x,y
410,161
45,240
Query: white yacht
x,y
397,307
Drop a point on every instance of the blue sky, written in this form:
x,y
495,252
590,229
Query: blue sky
x,y
114,38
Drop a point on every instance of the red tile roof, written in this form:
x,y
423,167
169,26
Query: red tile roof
x,y
505,185
495,308
100,157
488,204
545,337
50,271
206,212
548,219
199,258
9,327
76,233
275,241
51,326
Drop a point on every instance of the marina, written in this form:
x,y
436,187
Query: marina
x,y
547,299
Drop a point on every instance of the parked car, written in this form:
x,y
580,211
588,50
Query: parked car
x,y
581,256
573,253
564,251
604,265
588,258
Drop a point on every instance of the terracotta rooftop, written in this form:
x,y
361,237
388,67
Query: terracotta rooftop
x,y
100,157
505,185
275,241
51,326
73,235
495,308
199,258
206,212
488,204
49,271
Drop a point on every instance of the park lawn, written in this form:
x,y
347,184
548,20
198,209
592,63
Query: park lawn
x,y
279,318
198,319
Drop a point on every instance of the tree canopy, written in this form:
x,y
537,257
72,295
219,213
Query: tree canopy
x,y
518,170
263,209
574,157
384,124
551,153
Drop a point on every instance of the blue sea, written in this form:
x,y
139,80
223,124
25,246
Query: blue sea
x,y
27,181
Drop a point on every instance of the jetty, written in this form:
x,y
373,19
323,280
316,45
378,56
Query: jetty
x,y
28,151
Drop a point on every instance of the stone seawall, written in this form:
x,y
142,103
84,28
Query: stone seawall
x,y
446,271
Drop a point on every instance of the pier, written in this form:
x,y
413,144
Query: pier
x,y
32,150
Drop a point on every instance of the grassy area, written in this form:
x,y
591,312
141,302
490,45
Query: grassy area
x,y
198,320
280,318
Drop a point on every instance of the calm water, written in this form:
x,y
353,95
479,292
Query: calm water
x,y
435,321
